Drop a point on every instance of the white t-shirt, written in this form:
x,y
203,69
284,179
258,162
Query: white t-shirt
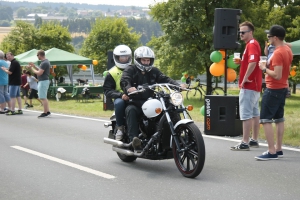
x,y
32,82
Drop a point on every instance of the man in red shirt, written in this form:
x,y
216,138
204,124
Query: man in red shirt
x,y
273,100
24,87
250,86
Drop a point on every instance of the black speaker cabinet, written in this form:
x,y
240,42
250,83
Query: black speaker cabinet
x,y
108,103
226,27
221,116
110,60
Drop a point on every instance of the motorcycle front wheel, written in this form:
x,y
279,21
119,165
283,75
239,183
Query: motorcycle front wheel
x,y
190,156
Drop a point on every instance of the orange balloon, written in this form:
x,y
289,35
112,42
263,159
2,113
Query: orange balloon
x,y
83,67
293,73
231,75
95,62
217,69
223,53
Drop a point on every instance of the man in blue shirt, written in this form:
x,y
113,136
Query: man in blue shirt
x,y
4,96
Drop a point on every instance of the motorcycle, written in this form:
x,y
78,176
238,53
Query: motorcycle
x,y
167,131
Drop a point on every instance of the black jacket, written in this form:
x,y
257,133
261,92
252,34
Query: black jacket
x,y
133,77
109,88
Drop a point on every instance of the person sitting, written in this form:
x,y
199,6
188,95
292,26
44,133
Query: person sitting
x,y
123,58
142,72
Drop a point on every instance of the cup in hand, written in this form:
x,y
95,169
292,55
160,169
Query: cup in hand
x,y
237,57
263,60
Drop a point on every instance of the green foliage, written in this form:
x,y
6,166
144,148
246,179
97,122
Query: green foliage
x,y
25,37
105,35
6,13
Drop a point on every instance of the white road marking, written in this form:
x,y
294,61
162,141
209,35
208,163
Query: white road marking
x,y
85,169
208,136
236,140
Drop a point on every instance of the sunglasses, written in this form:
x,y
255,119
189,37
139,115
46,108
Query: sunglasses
x,y
243,32
269,36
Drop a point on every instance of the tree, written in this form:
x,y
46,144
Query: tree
x,y
25,37
105,35
21,12
6,13
188,28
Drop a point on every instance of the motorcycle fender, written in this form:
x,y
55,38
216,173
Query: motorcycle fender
x,y
183,121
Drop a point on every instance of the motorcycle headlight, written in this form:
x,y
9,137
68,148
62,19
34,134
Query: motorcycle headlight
x,y
176,98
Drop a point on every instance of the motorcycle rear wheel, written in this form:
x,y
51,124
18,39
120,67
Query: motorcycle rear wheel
x,y
190,160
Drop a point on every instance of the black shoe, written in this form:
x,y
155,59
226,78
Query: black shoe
x,y
30,106
10,112
48,113
2,112
240,147
137,145
253,143
27,105
43,115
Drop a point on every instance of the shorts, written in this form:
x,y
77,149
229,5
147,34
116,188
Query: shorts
x,y
249,104
14,91
43,89
33,94
24,92
272,105
4,96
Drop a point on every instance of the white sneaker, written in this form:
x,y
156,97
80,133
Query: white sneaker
x,y
119,134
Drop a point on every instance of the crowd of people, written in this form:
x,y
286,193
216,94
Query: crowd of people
x,y
13,84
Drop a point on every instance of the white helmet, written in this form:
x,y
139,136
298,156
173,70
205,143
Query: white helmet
x,y
122,56
143,52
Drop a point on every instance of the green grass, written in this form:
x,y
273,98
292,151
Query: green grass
x,y
94,108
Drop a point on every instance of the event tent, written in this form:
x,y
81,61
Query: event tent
x,y
58,57
296,47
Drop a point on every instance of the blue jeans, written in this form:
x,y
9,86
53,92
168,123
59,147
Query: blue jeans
x,y
120,106
4,96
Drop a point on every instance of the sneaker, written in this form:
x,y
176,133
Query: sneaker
x,y
119,134
253,143
10,112
137,145
279,154
3,112
240,147
19,112
30,106
43,115
27,104
48,113
267,156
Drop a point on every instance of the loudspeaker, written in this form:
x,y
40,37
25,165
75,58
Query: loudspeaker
x,y
221,116
226,26
110,60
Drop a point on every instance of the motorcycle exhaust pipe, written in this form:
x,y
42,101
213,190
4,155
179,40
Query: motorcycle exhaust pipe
x,y
123,151
116,143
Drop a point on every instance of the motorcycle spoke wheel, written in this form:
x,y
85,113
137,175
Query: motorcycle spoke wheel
x,y
190,157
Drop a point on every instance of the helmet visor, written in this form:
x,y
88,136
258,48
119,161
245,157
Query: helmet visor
x,y
123,59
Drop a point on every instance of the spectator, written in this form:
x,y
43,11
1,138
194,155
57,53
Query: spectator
x,y
32,82
4,96
14,76
24,87
250,83
273,100
42,72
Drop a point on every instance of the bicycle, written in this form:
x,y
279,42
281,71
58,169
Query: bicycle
x,y
199,89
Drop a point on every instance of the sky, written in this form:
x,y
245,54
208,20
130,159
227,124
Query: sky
x,y
142,3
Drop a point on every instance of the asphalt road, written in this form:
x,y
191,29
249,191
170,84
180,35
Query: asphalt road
x,y
64,157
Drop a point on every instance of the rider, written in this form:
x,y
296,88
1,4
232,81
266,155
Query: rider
x,y
142,72
122,57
